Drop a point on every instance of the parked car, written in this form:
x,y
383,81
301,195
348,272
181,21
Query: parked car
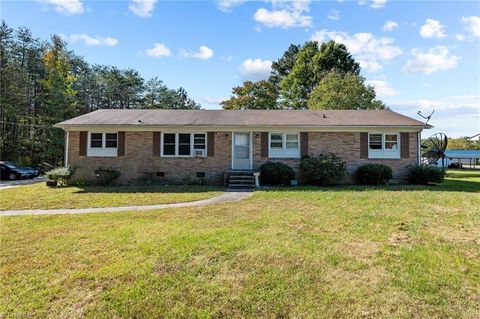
x,y
11,171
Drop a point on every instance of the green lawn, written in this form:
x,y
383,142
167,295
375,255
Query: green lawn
x,y
350,252
39,196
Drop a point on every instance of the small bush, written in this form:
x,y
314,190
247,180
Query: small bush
x,y
374,174
425,174
107,176
60,174
323,170
275,173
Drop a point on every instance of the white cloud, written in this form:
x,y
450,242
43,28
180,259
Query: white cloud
x,y
227,5
382,88
255,70
433,60
376,4
142,8
472,25
203,53
368,49
370,65
460,37
92,41
68,7
334,15
432,29
454,115
389,25
470,102
285,14
158,50
213,100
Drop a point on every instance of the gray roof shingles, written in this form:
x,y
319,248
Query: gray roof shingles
x,y
247,118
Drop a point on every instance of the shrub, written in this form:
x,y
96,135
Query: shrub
x,y
374,174
425,174
61,175
107,176
275,173
323,170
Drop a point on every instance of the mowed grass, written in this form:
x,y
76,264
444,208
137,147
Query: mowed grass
x,y
351,252
39,196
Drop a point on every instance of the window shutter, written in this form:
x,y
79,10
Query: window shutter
x,y
121,144
303,144
82,150
363,145
404,145
156,144
210,144
264,145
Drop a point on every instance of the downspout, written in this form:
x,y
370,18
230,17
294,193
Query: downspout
x,y
67,138
419,155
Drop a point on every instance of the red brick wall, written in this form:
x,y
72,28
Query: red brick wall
x,y
139,163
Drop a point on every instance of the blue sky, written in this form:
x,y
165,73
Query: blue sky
x,y
419,55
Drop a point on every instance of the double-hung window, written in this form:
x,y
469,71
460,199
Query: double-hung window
x,y
102,144
183,144
383,145
284,145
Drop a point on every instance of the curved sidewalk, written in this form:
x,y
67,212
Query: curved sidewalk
x,y
223,198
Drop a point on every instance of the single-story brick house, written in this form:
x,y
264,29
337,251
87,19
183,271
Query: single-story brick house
x,y
185,145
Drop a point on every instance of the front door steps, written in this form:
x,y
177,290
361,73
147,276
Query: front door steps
x,y
241,180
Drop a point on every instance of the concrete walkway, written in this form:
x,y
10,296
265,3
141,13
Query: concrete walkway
x,y
223,198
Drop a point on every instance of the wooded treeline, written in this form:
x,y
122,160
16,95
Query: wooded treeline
x,y
42,83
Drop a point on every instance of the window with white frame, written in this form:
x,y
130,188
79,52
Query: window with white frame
x,y
284,145
102,144
383,145
183,144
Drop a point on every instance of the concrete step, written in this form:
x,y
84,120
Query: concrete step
x,y
241,181
242,177
241,185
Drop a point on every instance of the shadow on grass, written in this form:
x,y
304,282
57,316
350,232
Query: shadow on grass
x,y
150,189
447,186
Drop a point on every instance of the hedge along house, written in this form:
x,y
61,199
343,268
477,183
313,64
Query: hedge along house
x,y
187,145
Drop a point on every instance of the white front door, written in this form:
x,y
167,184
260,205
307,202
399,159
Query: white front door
x,y
241,153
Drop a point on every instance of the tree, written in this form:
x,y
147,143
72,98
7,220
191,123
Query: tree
x,y
42,83
343,92
284,65
462,143
311,65
252,95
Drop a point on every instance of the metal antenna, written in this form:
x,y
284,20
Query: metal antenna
x,y
426,117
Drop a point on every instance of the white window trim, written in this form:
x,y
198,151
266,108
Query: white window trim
x,y
103,151
192,140
384,153
284,152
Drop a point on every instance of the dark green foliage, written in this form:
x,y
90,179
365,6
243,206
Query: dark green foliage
x,y
107,176
374,174
42,83
275,173
60,174
424,175
323,170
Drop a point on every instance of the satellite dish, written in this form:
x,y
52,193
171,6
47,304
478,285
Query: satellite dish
x,y
433,149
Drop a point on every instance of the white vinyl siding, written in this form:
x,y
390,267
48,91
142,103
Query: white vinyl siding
x,y
284,145
384,145
182,144
102,144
